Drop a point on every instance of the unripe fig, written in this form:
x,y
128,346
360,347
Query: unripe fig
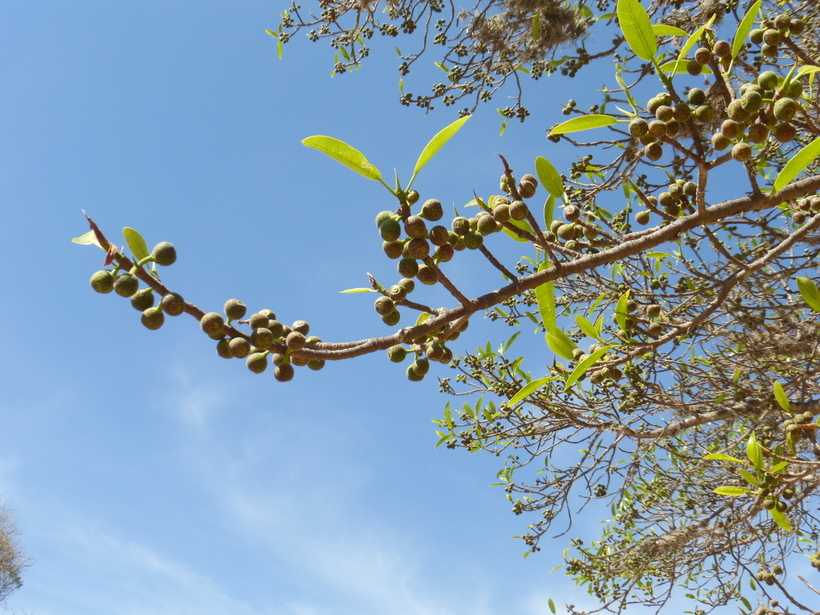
x,y
529,178
234,309
212,323
418,248
771,37
152,318
427,275
784,132
384,305
390,229
301,326
657,128
693,67
285,372
172,304
742,152
397,293
501,212
393,249
653,151
222,349
412,197
683,112
571,213
439,235
397,353
460,225
566,232
164,254
638,127
704,114
519,210
421,365
642,217
703,55
408,267
239,347
720,141
432,210
382,216
526,189
769,51
768,80
696,96
473,241
752,101
785,109
736,112
258,320
757,133
257,362
316,364
722,48
413,375
142,299
262,338
653,311
444,253
392,318
126,285
756,36
414,227
486,225
102,281
664,113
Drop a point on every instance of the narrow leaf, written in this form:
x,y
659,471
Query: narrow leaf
x,y
560,344
584,366
797,164
620,79
744,28
536,26
587,327
549,210
637,29
551,606
545,295
732,491
136,243
754,452
527,389
272,33
749,477
90,238
809,292
344,153
695,38
780,396
620,310
586,122
358,290
723,457
781,520
664,30
549,176
436,143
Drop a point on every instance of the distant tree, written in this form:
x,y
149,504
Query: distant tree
x,y
671,271
12,558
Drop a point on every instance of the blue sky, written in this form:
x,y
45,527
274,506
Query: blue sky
x,y
150,476
147,474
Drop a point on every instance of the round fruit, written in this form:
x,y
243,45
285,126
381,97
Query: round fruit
x,y
571,213
172,304
664,113
223,350
258,320
262,338
460,225
384,305
742,152
164,254
428,275
657,128
694,68
397,353
519,210
642,217
432,210
212,323
757,133
257,362
390,229
704,114
285,372
382,216
152,318
234,309
486,225
239,347
653,151
722,48
472,241
393,249
126,285
752,101
771,37
756,36
638,127
445,253
696,96
397,293
526,189
142,299
413,375
785,109
439,235
408,267
720,141
784,132
412,197
768,80
501,212
301,326
736,112
418,248
103,281
414,227
683,112
315,364
392,318
703,55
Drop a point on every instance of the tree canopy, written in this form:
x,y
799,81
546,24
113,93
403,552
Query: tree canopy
x,y
670,270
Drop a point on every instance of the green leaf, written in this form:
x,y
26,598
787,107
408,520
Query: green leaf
x,y
584,366
586,122
358,290
536,26
637,29
560,344
435,144
551,606
587,327
754,452
807,70
723,457
797,164
272,33
744,28
342,152
527,389
809,292
749,477
732,491
781,519
90,238
549,210
545,295
664,30
136,243
780,396
620,79
620,310
422,318
549,176
280,49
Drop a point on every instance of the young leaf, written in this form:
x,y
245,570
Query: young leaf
x,y
89,238
585,122
584,366
749,477
620,310
549,210
551,606
620,79
797,164
435,144
745,27
637,29
754,452
732,491
664,30
809,292
560,344
136,243
781,520
358,290
528,388
342,152
780,396
536,26
545,295
549,176
723,457
587,327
